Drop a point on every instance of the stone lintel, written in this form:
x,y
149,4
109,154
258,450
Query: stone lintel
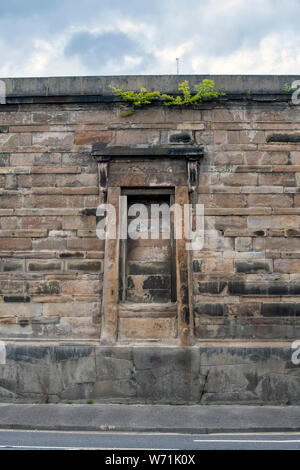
x,y
104,154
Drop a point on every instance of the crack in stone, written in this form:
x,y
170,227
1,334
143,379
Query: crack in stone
x,y
204,386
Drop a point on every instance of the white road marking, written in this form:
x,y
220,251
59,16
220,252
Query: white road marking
x,y
249,440
74,448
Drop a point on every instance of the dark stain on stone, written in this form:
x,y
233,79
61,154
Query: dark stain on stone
x,y
192,176
16,298
280,309
291,232
283,138
263,288
215,310
157,282
48,288
63,353
93,266
35,267
23,322
251,267
103,178
253,381
185,315
66,254
88,211
154,267
211,287
182,137
184,290
196,266
26,353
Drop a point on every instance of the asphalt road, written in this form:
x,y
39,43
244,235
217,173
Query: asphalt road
x,y
45,440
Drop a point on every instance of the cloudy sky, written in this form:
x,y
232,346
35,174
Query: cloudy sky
x,y
97,37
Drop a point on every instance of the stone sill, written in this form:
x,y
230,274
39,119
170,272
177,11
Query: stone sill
x,y
153,344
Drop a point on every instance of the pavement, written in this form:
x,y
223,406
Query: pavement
x,y
195,419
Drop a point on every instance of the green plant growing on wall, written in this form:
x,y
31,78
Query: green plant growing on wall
x,y
136,99
186,97
287,88
203,90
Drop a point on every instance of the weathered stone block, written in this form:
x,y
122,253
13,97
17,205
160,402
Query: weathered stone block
x,y
15,244
252,136
263,288
276,243
210,309
77,287
243,244
270,200
85,244
8,223
280,309
11,287
284,221
19,309
277,179
212,287
42,222
222,200
147,328
71,309
44,266
286,265
43,287
85,266
13,265
7,201
253,267
79,327
234,179
50,244
52,138
133,137
89,137
217,266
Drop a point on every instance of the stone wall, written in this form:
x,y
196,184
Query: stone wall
x,y
246,280
213,374
51,260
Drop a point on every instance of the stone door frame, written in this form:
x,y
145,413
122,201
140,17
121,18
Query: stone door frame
x,y
184,194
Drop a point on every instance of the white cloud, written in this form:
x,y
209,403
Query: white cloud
x,y
232,36
274,55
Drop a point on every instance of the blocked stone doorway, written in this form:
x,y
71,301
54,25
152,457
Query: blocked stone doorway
x,y
147,260
130,307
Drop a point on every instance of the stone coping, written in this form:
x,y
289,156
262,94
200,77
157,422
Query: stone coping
x,y
100,85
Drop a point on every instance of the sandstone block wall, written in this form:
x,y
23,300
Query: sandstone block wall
x,y
51,260
213,374
246,279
